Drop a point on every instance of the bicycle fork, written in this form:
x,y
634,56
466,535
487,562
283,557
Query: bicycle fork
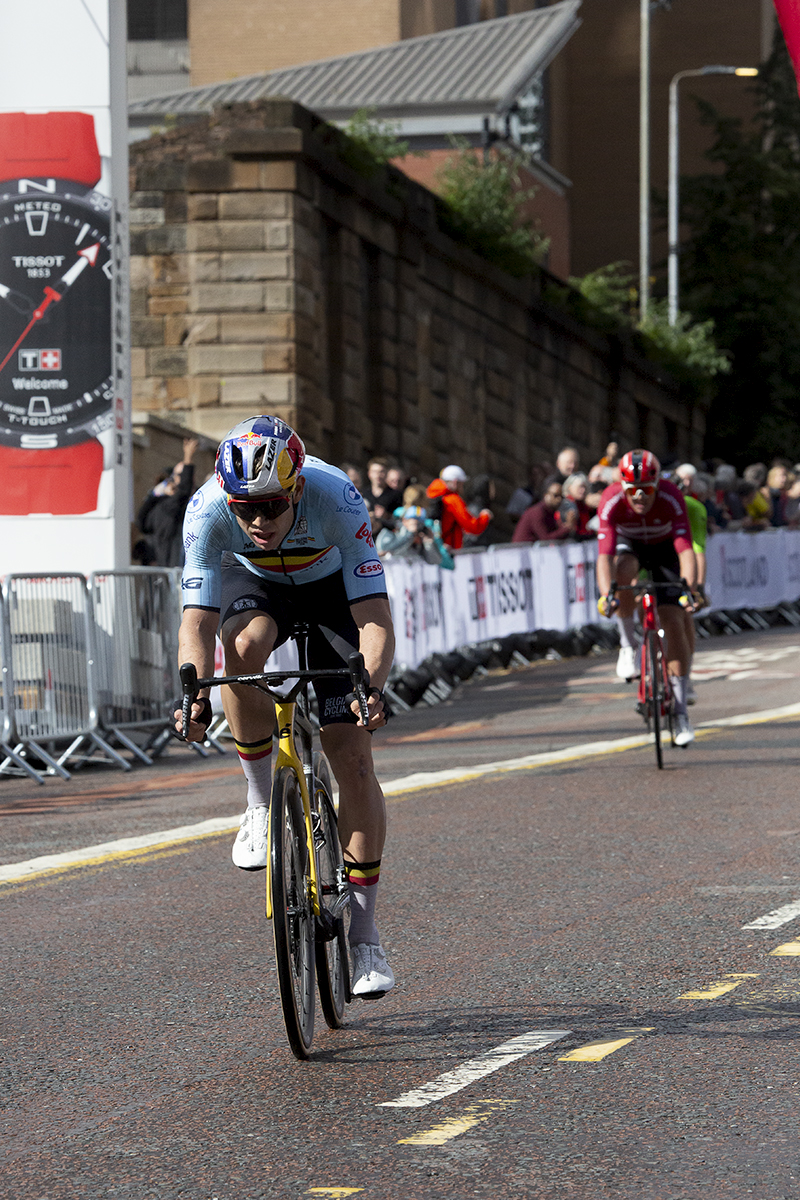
x,y
287,757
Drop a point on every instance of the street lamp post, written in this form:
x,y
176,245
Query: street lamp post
x,y
672,224
644,157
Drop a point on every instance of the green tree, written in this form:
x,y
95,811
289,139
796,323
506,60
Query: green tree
x,y
484,202
740,268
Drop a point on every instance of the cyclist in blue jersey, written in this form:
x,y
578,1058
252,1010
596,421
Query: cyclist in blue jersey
x,y
273,538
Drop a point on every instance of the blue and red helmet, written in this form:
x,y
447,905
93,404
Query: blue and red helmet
x,y
260,457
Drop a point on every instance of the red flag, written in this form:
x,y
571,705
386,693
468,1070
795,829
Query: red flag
x,y
789,17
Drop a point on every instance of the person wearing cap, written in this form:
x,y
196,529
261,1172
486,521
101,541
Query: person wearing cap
x,y
413,539
456,519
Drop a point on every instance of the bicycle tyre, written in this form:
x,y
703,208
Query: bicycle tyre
x,y
333,971
654,687
292,911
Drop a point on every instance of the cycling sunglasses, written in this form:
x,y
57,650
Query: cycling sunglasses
x,y
248,510
647,489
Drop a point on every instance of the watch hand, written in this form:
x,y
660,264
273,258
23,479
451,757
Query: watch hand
x,y
21,304
87,257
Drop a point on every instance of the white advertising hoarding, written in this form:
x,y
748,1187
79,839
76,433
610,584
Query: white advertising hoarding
x,y
525,587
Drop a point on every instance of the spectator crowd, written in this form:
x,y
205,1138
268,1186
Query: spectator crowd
x,y
559,502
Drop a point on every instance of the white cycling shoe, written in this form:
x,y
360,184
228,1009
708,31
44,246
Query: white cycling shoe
x,y
372,977
626,664
250,848
684,734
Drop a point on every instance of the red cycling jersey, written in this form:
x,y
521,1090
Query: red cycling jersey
x,y
666,521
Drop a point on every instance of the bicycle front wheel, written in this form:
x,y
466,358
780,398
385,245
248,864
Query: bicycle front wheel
x,y
292,911
333,974
654,687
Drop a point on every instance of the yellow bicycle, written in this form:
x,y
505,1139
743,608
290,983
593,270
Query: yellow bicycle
x,y
307,894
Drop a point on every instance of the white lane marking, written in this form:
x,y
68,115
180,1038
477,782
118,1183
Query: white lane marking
x,y
754,718
423,779
117,849
776,918
409,783
476,1068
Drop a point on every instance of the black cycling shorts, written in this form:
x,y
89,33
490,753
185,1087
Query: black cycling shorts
x,y
661,560
322,602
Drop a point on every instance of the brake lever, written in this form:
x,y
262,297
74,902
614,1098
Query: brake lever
x,y
360,679
188,677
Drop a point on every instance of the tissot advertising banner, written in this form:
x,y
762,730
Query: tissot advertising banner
x,y
64,391
518,588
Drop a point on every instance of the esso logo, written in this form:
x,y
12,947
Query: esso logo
x,y
351,494
366,569
196,503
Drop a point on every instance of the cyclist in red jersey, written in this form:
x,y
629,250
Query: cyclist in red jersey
x,y
644,524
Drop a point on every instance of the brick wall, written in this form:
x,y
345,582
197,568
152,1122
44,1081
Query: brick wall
x,y
268,275
251,36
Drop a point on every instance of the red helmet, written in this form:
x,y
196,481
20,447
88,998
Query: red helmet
x,y
639,467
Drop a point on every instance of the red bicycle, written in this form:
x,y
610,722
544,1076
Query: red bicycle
x,y
655,700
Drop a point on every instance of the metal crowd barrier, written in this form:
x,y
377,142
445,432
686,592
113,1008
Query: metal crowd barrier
x,y
48,692
135,630
86,665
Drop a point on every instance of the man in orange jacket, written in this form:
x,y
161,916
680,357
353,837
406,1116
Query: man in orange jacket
x,y
456,518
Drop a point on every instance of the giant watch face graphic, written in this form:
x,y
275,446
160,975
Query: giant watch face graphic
x,y
55,314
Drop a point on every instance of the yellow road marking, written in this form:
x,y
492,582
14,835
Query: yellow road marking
x,y
445,1131
332,1191
787,950
597,1051
717,989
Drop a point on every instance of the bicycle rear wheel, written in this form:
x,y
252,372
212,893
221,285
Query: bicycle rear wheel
x,y
654,687
333,973
292,911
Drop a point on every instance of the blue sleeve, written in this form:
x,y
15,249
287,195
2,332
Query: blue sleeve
x,y
347,525
206,536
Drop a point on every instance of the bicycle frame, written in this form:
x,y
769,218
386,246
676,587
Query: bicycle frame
x,y
651,624
289,715
286,714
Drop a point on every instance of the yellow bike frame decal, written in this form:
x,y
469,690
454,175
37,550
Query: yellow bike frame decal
x,y
288,757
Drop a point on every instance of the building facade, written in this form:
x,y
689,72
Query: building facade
x,y
270,276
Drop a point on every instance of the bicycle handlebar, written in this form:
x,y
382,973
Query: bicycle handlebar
x,y
646,586
191,685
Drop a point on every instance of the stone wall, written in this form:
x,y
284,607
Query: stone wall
x,y
270,275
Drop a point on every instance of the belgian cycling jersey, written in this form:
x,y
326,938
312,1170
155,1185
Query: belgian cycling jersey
x,y
667,520
331,532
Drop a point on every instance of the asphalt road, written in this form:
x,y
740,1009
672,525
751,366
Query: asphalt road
x,y
580,1010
